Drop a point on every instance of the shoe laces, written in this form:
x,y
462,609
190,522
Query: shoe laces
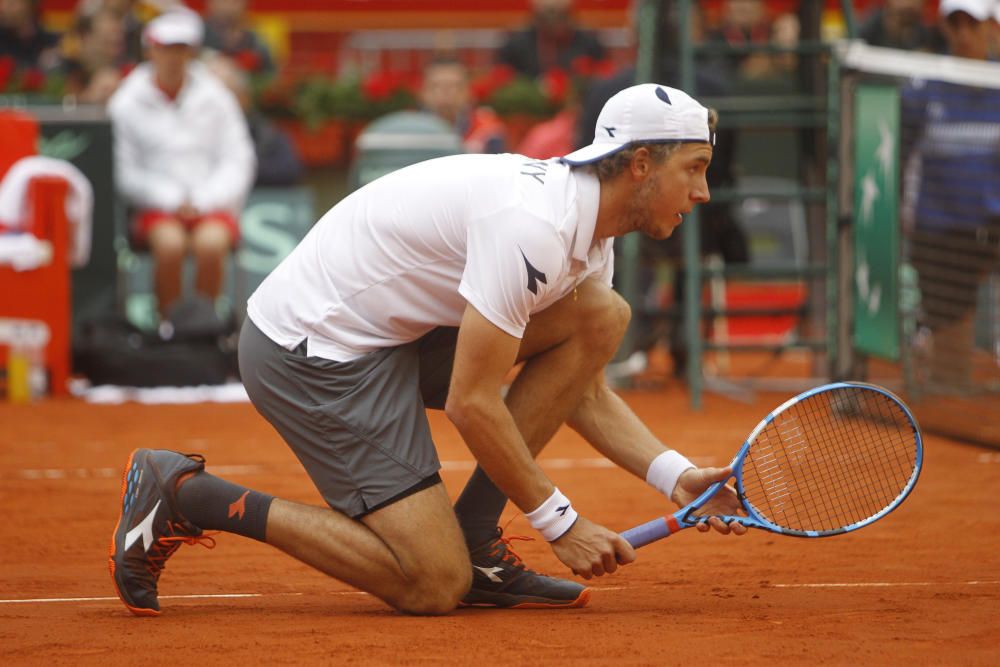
x,y
502,545
166,545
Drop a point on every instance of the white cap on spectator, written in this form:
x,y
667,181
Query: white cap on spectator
x,y
646,113
981,10
177,26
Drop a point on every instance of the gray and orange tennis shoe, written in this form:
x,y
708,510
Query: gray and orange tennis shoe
x,y
150,528
501,579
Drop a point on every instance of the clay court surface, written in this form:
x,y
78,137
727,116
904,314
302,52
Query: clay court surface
x,y
922,587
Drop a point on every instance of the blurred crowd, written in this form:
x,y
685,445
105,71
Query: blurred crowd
x,y
109,54
106,41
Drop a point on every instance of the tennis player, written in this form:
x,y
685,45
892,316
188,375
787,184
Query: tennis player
x,y
422,290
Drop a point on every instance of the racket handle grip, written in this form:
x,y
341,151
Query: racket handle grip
x,y
651,531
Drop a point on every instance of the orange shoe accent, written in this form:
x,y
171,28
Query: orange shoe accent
x,y
111,551
158,554
138,611
582,600
239,507
512,557
183,478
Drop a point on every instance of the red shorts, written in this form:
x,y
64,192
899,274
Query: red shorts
x,y
146,219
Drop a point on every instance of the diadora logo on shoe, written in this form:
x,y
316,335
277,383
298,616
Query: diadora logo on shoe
x,y
239,507
490,573
144,530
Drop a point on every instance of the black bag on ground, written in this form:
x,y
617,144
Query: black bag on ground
x,y
193,347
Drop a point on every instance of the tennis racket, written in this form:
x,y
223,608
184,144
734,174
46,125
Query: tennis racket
x,y
831,460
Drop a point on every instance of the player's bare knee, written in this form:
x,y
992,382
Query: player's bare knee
x,y
436,595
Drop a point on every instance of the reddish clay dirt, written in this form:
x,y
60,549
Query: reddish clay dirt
x,y
920,587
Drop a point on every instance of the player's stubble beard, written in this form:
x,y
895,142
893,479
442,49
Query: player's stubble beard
x,y
639,216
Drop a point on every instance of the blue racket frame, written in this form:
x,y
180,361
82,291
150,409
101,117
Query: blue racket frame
x,y
665,526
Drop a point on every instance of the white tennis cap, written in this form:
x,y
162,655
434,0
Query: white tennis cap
x,y
177,26
981,10
644,113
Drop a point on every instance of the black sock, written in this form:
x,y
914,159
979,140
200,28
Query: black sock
x,y
212,503
479,508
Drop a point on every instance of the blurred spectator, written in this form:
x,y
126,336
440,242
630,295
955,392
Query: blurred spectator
x,y
785,32
745,23
557,135
951,144
101,85
899,24
92,55
552,40
445,91
278,161
227,29
720,233
967,26
183,157
995,36
133,14
23,38
553,137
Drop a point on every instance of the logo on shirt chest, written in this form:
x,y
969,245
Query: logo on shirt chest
x,y
536,170
534,275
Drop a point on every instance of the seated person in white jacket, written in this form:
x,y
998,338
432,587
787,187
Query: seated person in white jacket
x,y
183,157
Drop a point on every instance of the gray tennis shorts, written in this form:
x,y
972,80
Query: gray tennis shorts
x,y
358,427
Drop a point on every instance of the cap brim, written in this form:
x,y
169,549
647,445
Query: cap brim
x,y
980,13
173,42
591,153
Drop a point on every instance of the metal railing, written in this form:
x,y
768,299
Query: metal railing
x,y
814,112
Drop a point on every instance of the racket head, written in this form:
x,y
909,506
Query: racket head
x,y
829,461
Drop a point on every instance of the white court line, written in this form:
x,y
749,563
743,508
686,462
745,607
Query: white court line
x,y
197,596
885,584
230,596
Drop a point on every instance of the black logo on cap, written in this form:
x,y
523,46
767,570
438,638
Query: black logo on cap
x,y
662,94
610,130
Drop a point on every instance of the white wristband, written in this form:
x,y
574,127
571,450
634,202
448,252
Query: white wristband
x,y
665,470
553,517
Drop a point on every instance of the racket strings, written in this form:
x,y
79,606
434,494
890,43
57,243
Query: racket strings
x,y
841,483
830,460
861,477
857,478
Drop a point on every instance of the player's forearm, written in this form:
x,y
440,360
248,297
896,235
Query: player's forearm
x,y
605,421
492,436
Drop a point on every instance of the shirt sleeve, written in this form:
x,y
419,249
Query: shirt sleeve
x,y
605,273
511,265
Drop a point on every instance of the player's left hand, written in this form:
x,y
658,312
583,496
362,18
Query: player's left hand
x,y
694,481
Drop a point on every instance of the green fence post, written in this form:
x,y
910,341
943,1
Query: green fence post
x,y
628,262
692,236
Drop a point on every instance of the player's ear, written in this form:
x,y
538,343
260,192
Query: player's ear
x,y
641,164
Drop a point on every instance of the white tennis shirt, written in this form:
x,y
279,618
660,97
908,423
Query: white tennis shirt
x,y
406,253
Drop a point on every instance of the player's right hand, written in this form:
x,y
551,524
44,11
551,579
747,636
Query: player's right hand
x,y
694,481
591,550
